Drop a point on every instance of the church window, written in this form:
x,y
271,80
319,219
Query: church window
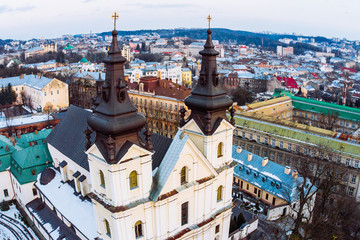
x,y
133,179
219,193
184,213
138,229
219,151
183,175
102,179
217,229
107,228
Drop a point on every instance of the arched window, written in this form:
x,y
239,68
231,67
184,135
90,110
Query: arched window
x,y
133,179
138,229
107,228
219,151
102,179
219,193
183,175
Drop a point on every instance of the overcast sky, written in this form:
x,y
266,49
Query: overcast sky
x,y
25,19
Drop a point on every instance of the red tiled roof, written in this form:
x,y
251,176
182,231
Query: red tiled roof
x,y
289,82
315,75
352,70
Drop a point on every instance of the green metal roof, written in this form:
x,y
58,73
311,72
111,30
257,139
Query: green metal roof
x,y
310,105
84,60
25,161
23,158
299,136
24,139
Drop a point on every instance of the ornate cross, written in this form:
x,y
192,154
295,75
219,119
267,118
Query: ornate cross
x,y
209,19
115,16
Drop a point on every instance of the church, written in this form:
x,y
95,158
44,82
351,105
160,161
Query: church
x,y
114,179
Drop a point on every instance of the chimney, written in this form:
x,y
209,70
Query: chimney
x,y
7,148
250,157
21,76
36,131
238,149
18,135
287,170
294,174
265,161
29,144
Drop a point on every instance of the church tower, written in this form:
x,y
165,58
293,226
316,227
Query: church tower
x,y
119,160
208,125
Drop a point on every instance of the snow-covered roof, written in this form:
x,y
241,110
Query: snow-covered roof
x,y
29,80
79,212
270,178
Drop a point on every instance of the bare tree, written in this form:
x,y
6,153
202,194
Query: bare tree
x,y
9,120
328,121
29,102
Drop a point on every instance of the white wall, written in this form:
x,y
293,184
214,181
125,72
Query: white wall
x,y
5,184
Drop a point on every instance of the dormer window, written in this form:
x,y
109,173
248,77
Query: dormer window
x,y
183,176
133,179
220,150
102,179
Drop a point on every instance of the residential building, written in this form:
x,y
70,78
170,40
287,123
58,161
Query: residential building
x,y
39,90
291,144
275,185
22,158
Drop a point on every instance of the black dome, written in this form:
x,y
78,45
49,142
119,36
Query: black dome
x,y
46,176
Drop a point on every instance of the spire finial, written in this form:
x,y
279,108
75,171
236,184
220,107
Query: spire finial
x,y
209,20
115,16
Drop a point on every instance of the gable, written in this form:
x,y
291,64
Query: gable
x,y
133,152
224,126
191,126
182,153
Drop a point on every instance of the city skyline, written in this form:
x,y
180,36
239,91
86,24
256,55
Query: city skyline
x,y
41,20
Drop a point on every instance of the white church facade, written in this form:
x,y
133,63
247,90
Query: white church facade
x,y
130,184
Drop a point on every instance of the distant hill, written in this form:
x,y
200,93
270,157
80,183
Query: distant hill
x,y
268,41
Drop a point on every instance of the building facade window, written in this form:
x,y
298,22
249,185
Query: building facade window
x,y
184,213
6,193
138,229
107,228
217,229
133,179
351,191
183,176
219,193
102,179
281,144
353,179
347,161
220,150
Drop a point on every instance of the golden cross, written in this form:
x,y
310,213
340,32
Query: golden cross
x,y
115,16
209,19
